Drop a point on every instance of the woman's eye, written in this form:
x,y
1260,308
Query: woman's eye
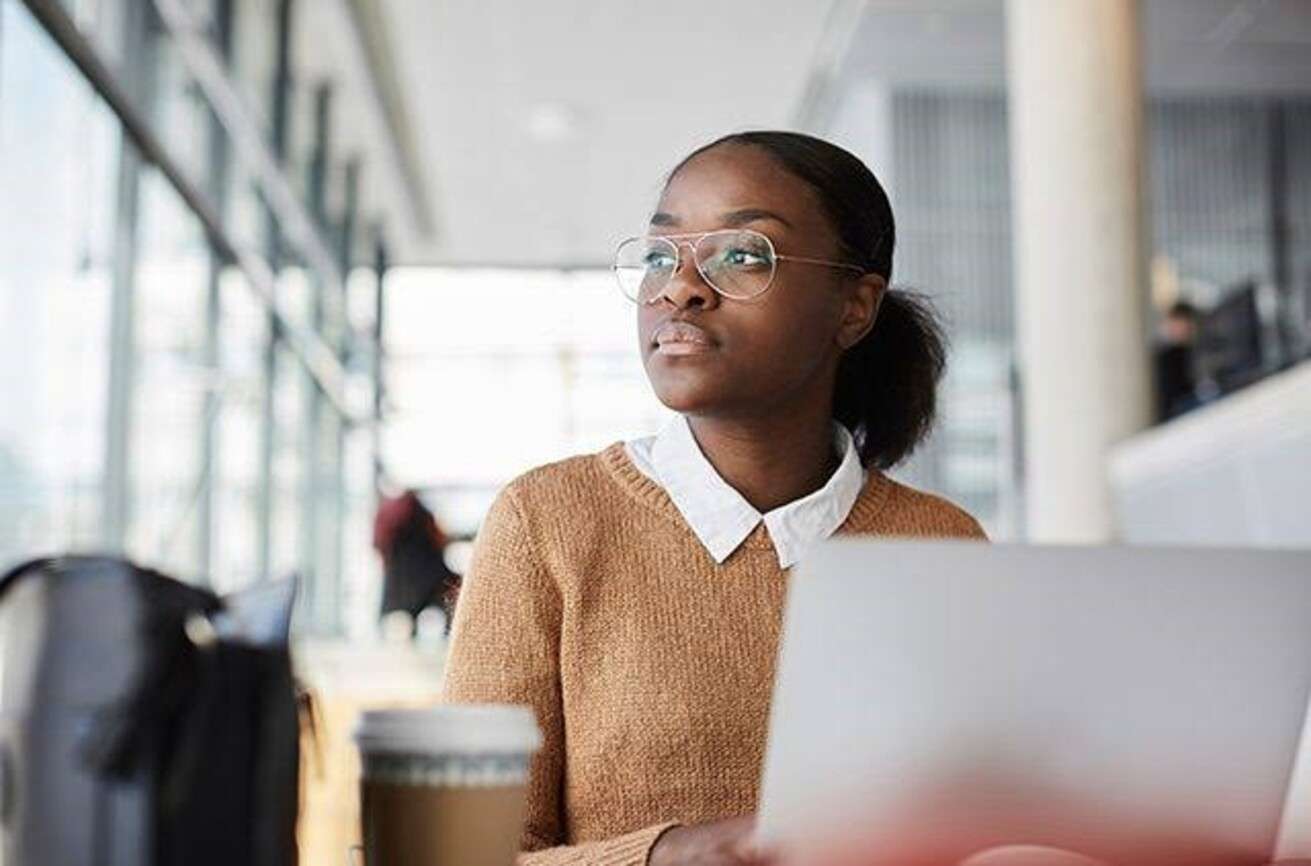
x,y
658,260
741,258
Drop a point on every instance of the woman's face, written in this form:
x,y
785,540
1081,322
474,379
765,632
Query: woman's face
x,y
714,356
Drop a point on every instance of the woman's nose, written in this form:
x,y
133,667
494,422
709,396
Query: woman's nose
x,y
686,287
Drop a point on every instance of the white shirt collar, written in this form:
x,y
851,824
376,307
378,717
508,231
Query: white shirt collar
x,y
722,519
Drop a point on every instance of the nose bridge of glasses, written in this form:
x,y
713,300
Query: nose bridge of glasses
x,y
689,241
678,242
681,285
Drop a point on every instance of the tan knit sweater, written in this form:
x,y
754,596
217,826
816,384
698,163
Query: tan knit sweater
x,y
650,667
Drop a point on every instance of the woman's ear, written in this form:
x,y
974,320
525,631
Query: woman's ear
x,y
861,310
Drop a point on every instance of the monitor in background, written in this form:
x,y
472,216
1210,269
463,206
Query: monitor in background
x,y
1229,343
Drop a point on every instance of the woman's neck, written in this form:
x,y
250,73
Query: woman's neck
x,y
770,461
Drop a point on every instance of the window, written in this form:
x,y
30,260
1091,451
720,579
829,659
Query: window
x,y
59,151
548,358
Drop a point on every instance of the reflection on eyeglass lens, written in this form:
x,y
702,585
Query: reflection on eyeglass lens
x,y
737,264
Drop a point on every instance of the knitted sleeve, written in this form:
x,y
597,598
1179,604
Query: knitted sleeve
x,y
505,648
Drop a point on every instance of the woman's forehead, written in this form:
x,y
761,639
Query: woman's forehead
x,y
715,186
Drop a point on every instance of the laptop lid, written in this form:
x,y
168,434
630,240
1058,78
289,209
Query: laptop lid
x,y
934,700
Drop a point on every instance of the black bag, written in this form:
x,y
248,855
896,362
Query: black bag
x,y
144,722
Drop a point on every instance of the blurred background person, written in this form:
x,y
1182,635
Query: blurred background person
x,y
1176,361
412,546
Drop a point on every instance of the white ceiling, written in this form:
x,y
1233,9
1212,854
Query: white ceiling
x,y
1189,46
326,49
1228,46
545,128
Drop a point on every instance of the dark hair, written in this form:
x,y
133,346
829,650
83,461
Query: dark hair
x,y
886,392
1183,310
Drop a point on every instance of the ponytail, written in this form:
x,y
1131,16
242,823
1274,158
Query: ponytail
x,y
887,384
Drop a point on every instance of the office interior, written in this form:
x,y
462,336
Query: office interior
x,y
268,265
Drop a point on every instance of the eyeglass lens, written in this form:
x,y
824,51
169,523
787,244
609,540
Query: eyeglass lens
x,y
737,264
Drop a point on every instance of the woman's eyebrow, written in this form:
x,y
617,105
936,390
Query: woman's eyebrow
x,y
752,214
733,218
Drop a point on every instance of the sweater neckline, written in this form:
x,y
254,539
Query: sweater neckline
x,y
864,515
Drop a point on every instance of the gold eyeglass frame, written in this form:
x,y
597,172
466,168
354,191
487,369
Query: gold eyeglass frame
x,y
693,241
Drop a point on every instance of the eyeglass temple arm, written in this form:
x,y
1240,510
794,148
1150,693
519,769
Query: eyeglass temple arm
x,y
878,244
857,268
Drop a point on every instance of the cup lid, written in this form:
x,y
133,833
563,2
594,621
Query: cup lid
x,y
450,729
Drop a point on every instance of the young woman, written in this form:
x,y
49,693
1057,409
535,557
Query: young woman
x,y
634,597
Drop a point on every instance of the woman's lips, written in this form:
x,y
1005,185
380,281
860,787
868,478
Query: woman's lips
x,y
681,338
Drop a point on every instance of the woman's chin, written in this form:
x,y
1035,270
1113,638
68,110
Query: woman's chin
x,y
685,395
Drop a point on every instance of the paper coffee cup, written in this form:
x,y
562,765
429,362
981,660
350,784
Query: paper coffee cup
x,y
445,786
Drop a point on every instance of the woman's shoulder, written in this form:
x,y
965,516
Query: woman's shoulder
x,y
565,506
583,481
893,508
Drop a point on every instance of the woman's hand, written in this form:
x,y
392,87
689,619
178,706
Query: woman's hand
x,y
720,843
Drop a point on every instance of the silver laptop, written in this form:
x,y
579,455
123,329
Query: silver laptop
x,y
935,701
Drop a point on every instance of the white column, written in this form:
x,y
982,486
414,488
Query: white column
x,y
863,124
1076,98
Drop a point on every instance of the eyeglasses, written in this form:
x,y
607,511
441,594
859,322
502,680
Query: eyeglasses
x,y
736,263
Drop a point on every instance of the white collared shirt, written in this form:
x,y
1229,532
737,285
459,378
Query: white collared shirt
x,y
722,518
